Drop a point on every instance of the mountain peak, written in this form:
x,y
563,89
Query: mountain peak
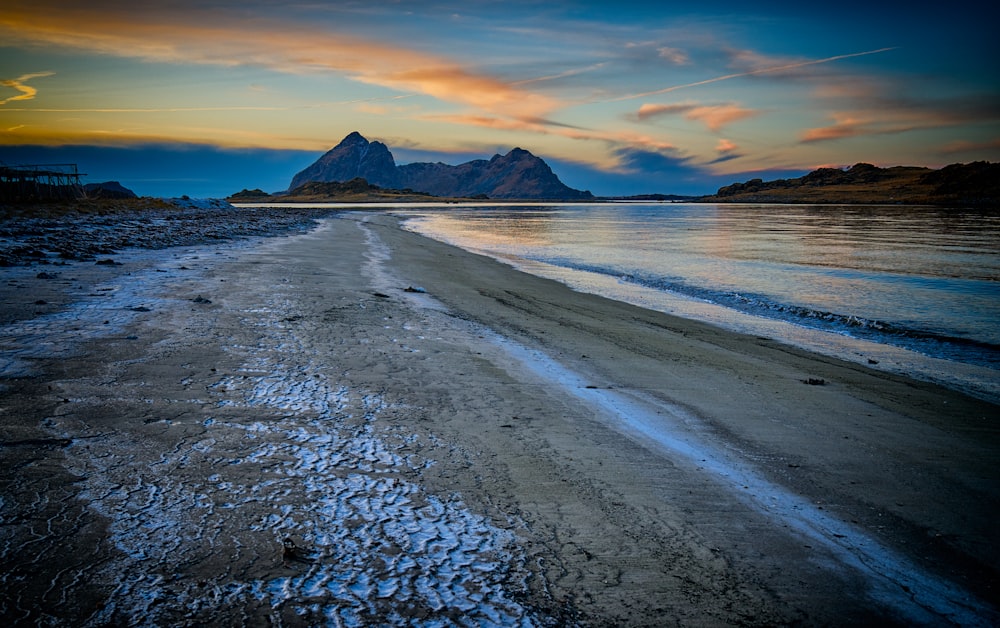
x,y
518,174
353,138
353,157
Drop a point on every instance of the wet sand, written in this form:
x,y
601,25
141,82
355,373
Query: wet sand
x,y
444,440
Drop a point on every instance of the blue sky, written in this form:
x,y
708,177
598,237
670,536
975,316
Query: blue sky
x,y
206,98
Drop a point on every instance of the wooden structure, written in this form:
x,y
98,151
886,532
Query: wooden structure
x,y
41,182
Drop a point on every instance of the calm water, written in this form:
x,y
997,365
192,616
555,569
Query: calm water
x,y
915,289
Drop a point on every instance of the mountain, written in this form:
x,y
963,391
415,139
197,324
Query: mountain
x,y
355,157
516,175
356,190
108,189
972,184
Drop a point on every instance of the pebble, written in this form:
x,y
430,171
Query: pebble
x,y
39,239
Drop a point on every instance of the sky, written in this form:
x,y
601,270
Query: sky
x,y
207,97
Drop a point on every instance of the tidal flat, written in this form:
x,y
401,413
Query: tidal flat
x,y
353,424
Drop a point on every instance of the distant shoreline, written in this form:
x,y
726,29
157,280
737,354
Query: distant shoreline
x,y
975,184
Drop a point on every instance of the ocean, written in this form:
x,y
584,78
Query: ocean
x,y
912,290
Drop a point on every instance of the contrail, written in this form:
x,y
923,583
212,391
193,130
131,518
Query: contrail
x,y
778,68
565,74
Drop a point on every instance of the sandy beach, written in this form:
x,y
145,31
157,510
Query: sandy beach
x,y
361,426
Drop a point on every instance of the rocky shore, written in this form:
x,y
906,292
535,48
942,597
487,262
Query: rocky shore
x,y
88,230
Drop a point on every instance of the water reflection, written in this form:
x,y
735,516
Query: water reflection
x,y
924,272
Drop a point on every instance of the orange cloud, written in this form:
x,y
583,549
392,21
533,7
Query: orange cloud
x,y
847,124
713,116
44,136
158,35
725,146
491,122
20,84
631,139
836,132
963,146
647,110
454,84
85,134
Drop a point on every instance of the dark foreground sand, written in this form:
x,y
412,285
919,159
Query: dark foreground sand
x,y
444,440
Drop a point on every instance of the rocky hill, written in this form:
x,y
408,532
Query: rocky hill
x,y
516,175
975,184
357,190
354,157
108,190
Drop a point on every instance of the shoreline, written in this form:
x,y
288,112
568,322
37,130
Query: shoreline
x,y
959,359
570,324
311,369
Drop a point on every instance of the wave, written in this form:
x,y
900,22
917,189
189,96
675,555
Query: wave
x,y
929,342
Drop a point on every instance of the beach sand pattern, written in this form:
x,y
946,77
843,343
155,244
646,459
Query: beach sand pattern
x,y
341,428
292,456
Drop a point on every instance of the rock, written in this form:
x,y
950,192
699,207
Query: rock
x,y
518,174
973,184
253,194
354,157
290,552
108,189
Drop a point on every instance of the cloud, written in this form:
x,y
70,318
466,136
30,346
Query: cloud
x,y
713,116
650,172
675,56
454,84
27,92
647,111
725,146
36,135
771,69
637,160
883,121
491,122
114,136
727,151
857,107
964,146
844,127
360,102
618,143
192,36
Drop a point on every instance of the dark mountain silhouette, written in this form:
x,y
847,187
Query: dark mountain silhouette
x,y
354,157
973,184
108,189
516,175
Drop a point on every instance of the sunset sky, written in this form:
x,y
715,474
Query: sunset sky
x,y
208,97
